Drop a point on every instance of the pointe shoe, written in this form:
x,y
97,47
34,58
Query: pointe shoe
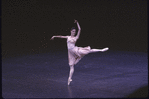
x,y
69,80
105,49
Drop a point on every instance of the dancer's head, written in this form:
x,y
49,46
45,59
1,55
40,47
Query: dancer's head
x,y
73,31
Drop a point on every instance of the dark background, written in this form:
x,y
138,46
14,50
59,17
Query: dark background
x,y
28,25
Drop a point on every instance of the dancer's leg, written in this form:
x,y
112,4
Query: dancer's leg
x,y
77,60
99,50
88,47
71,73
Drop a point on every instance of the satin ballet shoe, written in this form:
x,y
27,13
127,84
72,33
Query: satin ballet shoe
x,y
69,80
105,49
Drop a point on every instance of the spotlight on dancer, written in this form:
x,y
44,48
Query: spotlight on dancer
x,y
75,53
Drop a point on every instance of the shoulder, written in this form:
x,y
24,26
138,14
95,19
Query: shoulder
x,y
76,37
68,36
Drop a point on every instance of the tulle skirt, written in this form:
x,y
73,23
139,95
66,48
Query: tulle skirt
x,y
75,54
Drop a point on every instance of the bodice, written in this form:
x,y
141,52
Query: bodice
x,y
71,42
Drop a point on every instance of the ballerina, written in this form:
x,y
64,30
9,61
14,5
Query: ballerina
x,y
75,53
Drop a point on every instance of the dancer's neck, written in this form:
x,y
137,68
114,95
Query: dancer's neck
x,y
72,36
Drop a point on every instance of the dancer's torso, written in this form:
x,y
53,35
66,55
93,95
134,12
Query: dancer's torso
x,y
71,42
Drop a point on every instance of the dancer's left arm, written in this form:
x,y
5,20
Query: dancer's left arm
x,y
79,29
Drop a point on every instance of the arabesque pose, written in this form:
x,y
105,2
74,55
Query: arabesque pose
x,y
75,53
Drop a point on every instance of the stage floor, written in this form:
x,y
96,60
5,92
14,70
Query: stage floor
x,y
111,74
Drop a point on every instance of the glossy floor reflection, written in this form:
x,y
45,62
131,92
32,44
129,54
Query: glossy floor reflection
x,y
98,75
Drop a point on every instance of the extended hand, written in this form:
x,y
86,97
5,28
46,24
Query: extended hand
x,y
52,38
75,21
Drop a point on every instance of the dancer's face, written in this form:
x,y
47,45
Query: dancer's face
x,y
73,32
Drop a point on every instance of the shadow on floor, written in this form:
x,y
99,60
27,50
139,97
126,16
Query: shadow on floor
x,y
139,93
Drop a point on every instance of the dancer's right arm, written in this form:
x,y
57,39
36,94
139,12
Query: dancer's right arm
x,y
59,36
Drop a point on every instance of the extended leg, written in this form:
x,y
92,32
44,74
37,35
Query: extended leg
x,y
99,50
71,73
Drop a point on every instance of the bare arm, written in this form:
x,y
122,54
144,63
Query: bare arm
x,y
79,29
59,36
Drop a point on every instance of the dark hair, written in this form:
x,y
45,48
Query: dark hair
x,y
72,28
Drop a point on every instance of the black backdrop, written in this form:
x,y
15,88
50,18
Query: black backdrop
x,y
117,24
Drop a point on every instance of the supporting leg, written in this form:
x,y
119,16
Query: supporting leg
x,y
71,73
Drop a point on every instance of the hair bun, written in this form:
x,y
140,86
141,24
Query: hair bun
x,y
73,28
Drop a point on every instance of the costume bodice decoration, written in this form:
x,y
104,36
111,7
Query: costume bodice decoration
x,y
71,42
